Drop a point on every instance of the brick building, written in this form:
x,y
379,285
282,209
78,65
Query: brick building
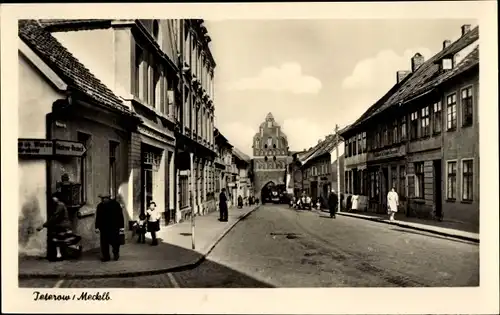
x,y
270,151
422,137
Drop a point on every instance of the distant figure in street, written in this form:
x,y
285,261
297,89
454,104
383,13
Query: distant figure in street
x,y
333,201
58,226
240,202
153,221
109,223
140,228
223,206
392,203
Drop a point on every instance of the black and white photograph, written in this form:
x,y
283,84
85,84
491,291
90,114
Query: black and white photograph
x,y
210,151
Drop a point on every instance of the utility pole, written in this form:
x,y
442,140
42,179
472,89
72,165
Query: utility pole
x,y
338,164
191,157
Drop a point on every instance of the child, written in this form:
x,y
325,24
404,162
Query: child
x,y
140,228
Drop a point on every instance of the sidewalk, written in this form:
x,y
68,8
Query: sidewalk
x,y
173,253
445,228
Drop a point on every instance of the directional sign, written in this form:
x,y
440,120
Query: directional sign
x,y
34,147
69,148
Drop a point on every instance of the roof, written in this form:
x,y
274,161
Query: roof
x,y
72,71
322,148
55,24
240,155
220,137
426,77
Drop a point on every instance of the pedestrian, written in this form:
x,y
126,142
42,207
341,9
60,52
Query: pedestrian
x,y
223,206
153,225
109,223
392,203
58,227
140,228
333,201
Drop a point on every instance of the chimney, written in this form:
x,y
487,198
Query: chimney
x,y
400,75
446,43
417,61
465,29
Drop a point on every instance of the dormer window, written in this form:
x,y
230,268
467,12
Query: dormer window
x,y
447,64
269,124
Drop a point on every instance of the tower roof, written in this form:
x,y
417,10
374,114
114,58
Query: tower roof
x,y
269,116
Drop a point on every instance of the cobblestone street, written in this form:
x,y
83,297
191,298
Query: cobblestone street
x,y
308,249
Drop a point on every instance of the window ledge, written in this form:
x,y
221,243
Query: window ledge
x,y
450,200
466,201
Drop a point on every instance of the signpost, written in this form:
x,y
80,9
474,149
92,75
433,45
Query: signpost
x,y
44,147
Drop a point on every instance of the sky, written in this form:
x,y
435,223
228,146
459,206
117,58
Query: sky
x,y
311,74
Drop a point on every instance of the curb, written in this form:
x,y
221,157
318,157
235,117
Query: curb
x,y
462,237
128,274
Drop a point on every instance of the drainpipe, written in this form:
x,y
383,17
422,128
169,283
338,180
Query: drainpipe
x,y
48,181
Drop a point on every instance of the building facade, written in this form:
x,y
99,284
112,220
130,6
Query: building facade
x,y
422,138
223,167
74,136
243,181
270,151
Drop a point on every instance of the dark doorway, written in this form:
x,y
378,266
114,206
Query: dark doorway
x,y
267,192
438,188
314,190
385,187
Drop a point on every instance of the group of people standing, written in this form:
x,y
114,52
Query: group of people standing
x,y
109,224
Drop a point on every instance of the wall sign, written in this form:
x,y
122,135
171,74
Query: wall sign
x,y
44,147
387,153
69,148
34,147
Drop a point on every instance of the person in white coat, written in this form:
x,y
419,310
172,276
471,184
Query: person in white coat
x,y
392,203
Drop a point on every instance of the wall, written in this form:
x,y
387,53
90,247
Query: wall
x,y
462,144
36,96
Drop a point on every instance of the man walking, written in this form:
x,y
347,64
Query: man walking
x,y
109,223
333,201
223,206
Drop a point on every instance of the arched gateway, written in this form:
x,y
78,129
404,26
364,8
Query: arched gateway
x,y
270,151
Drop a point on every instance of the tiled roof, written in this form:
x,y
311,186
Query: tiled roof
x,y
67,23
62,62
427,76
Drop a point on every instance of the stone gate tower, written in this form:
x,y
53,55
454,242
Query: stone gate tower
x,y
270,150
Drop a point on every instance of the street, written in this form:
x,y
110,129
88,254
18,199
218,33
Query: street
x,y
279,247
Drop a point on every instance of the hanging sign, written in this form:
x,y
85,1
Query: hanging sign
x,y
34,147
69,148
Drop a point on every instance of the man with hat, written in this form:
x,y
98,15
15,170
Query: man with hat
x,y
109,223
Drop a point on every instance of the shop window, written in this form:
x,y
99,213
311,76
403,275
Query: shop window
x,y
419,177
451,181
467,180
467,106
113,183
437,117
85,165
184,191
414,125
451,112
402,181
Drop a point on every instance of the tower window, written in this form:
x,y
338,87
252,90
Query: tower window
x,y
274,146
265,158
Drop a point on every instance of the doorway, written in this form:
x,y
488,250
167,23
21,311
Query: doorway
x,y
438,188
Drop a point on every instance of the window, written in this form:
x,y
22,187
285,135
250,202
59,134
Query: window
x,y
414,125
139,86
269,141
113,152
451,182
467,106
156,30
394,133
451,107
447,64
385,139
360,144
85,164
377,140
269,124
425,130
364,142
402,181
403,128
436,121
274,146
419,174
346,148
467,172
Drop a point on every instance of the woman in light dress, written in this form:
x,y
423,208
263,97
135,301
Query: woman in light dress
x,y
392,203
